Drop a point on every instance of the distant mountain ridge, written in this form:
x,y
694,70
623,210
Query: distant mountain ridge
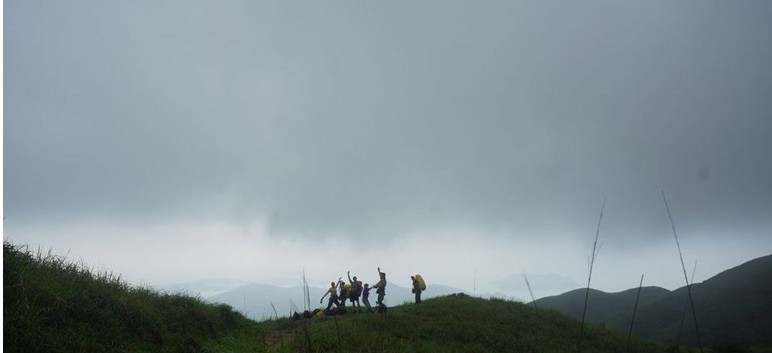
x,y
735,306
203,288
542,284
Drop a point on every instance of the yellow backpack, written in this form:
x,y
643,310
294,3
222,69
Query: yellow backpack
x,y
346,289
421,283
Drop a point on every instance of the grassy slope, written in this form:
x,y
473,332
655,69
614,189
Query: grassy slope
x,y
456,323
51,305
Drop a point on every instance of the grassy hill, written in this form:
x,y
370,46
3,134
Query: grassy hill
x,y
610,309
52,305
455,323
733,308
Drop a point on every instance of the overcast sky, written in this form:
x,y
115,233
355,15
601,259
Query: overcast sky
x,y
171,141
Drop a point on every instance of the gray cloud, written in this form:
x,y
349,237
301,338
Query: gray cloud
x,y
375,119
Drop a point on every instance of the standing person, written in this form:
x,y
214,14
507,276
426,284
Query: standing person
x,y
416,289
333,297
343,295
366,296
356,291
381,291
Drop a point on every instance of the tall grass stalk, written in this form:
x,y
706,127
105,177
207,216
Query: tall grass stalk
x,y
474,283
589,277
307,303
275,313
686,278
635,309
686,308
306,292
528,284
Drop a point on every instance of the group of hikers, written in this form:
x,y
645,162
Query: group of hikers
x,y
341,291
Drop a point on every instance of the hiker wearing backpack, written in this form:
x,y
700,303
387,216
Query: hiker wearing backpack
x,y
366,296
356,291
418,286
381,291
333,293
343,292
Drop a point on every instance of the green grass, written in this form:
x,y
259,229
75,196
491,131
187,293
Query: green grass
x,y
53,305
457,323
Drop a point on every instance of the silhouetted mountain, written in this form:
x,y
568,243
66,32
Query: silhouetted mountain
x,y
612,309
734,306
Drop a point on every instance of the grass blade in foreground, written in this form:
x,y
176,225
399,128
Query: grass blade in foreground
x,y
589,277
686,278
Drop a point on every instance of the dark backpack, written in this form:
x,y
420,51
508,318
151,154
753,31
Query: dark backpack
x,y
356,289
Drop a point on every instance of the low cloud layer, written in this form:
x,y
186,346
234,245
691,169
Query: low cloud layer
x,y
376,122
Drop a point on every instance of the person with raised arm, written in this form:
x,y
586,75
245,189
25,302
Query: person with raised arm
x,y
381,291
333,293
356,291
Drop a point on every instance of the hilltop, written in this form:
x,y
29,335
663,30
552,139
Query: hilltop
x,y
733,307
257,301
52,305
455,323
